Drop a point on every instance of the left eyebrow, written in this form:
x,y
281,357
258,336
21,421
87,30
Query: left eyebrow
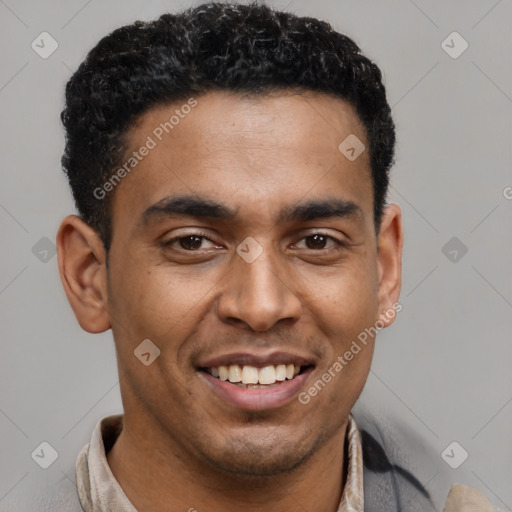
x,y
323,209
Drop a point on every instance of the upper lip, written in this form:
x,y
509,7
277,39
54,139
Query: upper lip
x,y
259,360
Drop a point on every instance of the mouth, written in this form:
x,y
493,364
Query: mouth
x,y
255,383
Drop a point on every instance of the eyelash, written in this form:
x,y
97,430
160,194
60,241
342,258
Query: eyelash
x,y
198,234
340,244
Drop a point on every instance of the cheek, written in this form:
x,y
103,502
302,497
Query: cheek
x,y
345,301
353,318
155,302
158,305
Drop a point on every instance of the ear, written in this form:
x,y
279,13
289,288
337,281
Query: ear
x,y
389,261
82,267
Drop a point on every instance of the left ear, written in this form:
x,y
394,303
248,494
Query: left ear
x,y
389,263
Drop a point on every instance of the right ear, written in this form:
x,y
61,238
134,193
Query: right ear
x,y
82,266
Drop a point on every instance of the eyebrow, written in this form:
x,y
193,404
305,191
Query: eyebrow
x,y
191,206
195,206
321,209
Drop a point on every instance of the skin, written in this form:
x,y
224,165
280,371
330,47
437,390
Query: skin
x,y
182,446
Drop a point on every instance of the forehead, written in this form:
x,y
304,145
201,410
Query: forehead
x,y
253,153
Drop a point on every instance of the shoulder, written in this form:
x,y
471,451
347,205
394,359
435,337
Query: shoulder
x,y
402,472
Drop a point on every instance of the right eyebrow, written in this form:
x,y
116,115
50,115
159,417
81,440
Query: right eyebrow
x,y
192,206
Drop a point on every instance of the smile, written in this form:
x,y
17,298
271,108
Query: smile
x,y
251,387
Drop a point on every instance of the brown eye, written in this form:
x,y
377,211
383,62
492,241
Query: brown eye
x,y
195,242
316,241
191,243
319,242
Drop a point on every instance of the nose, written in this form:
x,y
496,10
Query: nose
x,y
257,295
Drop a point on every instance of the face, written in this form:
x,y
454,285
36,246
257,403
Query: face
x,y
244,247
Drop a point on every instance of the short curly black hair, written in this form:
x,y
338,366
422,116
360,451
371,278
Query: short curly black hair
x,y
248,49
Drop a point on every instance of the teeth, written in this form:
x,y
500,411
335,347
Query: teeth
x,y
223,372
268,375
280,372
251,375
235,373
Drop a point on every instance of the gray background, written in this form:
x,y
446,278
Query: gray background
x,y
443,368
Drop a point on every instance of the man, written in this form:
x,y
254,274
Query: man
x,y
230,168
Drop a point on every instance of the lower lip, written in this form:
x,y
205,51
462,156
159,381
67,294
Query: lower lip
x,y
257,399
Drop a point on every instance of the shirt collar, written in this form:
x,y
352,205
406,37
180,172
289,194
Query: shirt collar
x,y
352,499
99,491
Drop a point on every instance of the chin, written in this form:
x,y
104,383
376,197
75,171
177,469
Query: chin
x,y
247,458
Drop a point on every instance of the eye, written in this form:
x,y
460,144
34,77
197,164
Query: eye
x,y
319,241
191,243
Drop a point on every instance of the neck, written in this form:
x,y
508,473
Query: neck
x,y
156,475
